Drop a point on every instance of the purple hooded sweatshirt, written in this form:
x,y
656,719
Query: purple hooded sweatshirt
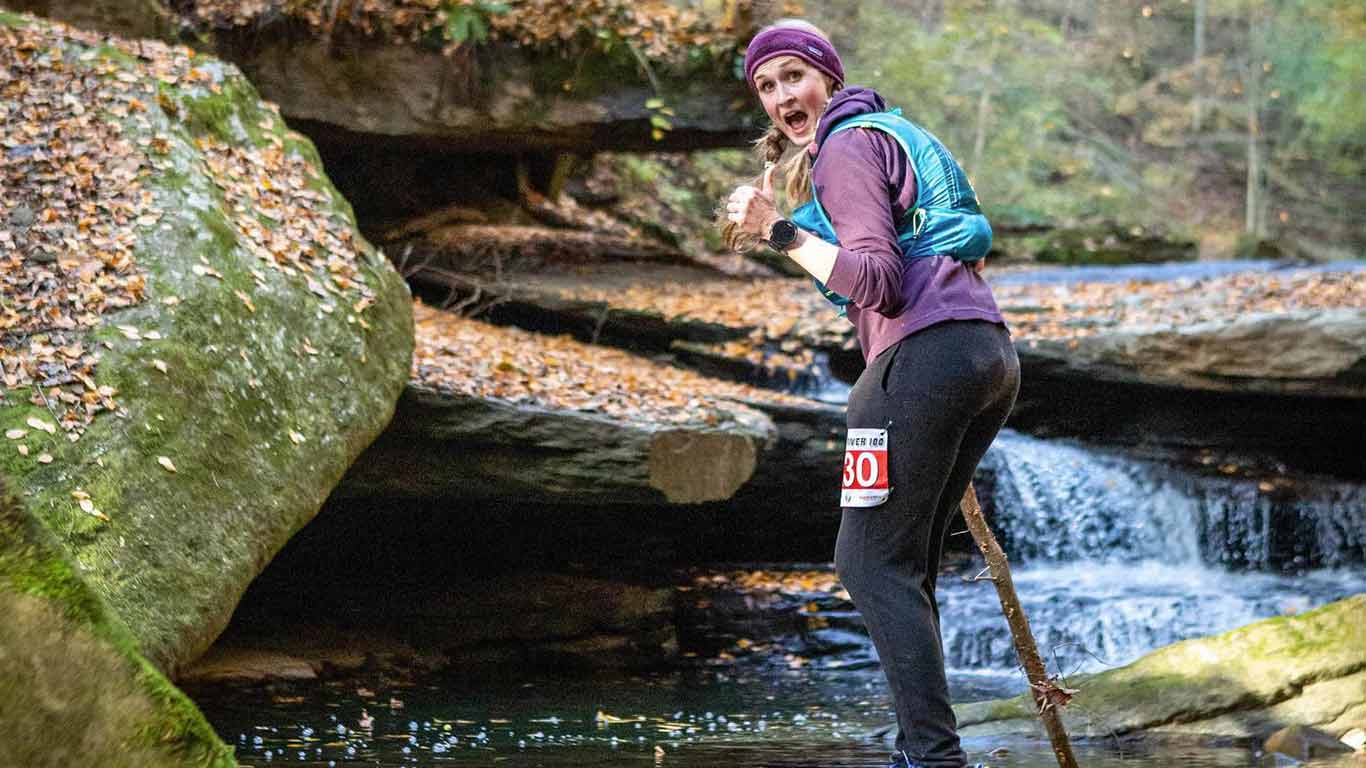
x,y
866,183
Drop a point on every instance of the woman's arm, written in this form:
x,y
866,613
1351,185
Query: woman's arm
x,y
859,173
813,255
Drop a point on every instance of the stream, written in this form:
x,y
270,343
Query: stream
x,y
1125,554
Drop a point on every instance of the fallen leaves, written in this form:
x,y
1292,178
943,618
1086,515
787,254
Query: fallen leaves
x,y
46,426
71,192
84,134
87,504
787,318
794,583
1072,311
658,29
480,360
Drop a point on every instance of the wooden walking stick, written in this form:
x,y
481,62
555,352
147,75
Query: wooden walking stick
x,y
1048,695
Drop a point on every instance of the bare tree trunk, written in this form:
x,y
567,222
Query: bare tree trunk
x,y
979,142
1198,108
1251,91
1048,696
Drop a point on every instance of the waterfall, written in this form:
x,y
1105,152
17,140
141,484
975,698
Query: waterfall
x,y
1117,555
1059,502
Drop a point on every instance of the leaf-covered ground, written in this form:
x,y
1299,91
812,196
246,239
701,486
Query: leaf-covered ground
x,y
657,29
73,203
472,358
1064,312
783,310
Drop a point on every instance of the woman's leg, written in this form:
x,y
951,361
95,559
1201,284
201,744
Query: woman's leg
x,y
932,393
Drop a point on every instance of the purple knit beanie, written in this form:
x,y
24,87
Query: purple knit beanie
x,y
793,41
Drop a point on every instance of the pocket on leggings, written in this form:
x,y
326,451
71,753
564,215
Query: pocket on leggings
x,y
887,360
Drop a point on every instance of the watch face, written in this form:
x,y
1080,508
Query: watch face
x,y
783,233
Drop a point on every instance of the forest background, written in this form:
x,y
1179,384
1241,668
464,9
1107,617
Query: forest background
x,y
1238,123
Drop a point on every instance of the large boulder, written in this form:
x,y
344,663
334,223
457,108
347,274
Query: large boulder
x,y
1291,670
197,343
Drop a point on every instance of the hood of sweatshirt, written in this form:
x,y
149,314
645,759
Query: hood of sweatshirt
x,y
845,104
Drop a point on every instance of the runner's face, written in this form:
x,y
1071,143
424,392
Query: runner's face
x,y
794,95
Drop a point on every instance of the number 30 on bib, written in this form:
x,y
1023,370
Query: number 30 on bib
x,y
865,469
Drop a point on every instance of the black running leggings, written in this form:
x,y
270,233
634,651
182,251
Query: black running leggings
x,y
942,393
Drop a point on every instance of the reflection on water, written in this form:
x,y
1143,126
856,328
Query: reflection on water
x,y
1114,557
804,719
808,719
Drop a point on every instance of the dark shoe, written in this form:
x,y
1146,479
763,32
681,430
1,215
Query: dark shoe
x,y
902,760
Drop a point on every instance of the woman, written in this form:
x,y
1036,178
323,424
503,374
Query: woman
x,y
890,230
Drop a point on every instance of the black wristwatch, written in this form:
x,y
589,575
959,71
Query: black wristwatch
x,y
782,235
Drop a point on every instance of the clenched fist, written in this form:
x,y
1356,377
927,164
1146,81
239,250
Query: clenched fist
x,y
753,208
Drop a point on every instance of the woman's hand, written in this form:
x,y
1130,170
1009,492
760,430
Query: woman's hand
x,y
753,208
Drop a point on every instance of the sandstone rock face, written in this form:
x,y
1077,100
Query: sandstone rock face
x,y
1307,670
1320,353
444,445
229,345
521,100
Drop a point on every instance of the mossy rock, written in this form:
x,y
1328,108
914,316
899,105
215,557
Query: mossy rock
x,y
244,390
1308,670
1103,243
77,692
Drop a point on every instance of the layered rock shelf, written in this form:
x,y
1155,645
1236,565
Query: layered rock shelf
x,y
500,412
1260,361
548,78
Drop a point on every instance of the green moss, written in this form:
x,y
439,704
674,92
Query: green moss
x,y
1249,668
10,19
59,632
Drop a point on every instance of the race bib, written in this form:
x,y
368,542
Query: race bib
x,y
865,469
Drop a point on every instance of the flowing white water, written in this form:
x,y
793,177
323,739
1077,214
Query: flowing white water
x,y
1115,556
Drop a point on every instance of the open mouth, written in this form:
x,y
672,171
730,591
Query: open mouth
x,y
797,121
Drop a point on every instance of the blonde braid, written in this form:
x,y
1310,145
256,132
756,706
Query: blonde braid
x,y
770,147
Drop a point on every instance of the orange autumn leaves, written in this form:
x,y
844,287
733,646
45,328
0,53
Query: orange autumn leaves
x,y
86,136
71,200
782,312
475,359
1067,312
659,29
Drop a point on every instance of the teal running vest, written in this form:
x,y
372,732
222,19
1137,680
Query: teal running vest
x,y
945,221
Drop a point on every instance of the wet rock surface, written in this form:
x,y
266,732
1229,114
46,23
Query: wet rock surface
x,y
1306,670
